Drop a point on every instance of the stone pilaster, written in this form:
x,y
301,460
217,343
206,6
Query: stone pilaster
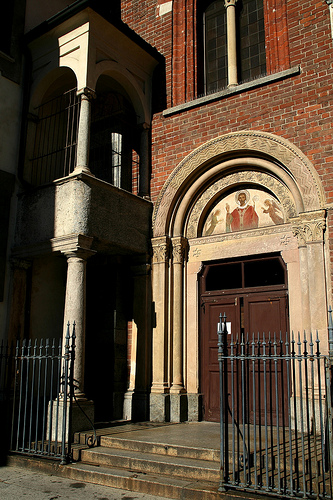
x,y
19,292
83,136
309,229
230,5
136,403
179,253
144,161
159,397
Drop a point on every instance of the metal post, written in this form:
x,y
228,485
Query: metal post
x,y
222,329
329,393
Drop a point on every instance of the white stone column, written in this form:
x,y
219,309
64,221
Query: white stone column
x,y
159,396
144,161
309,228
75,310
230,5
179,247
83,136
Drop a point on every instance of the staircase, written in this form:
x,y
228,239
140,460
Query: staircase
x,y
161,460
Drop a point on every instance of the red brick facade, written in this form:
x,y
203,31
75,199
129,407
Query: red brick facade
x,y
298,108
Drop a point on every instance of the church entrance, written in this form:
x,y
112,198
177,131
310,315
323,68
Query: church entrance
x,y
252,293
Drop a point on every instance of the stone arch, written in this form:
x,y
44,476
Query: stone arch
x,y
129,83
57,77
232,152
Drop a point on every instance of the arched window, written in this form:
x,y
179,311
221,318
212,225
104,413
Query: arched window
x,y
52,152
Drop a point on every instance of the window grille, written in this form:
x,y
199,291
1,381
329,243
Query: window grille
x,y
54,151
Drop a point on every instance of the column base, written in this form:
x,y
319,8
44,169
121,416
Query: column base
x,y
136,406
79,420
194,402
178,407
159,407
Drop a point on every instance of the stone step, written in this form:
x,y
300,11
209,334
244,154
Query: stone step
x,y
166,449
156,485
188,468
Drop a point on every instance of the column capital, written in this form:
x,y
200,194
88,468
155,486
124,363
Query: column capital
x,y
144,126
230,3
20,263
179,249
161,249
87,93
79,253
309,227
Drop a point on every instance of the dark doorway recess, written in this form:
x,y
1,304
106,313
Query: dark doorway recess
x,y
253,293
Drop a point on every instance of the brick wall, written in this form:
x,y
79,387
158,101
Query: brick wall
x,y
298,108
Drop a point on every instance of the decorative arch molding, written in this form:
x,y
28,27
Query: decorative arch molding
x,y
209,196
286,160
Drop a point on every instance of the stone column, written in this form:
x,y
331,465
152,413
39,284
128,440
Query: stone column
x,y
75,310
159,397
230,5
144,161
178,405
83,136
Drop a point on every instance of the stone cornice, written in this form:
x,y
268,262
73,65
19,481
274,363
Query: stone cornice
x,y
63,244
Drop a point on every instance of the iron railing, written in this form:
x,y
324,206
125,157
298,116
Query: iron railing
x,y
276,414
38,398
54,151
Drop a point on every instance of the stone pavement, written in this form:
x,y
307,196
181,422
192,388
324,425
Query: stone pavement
x,y
25,484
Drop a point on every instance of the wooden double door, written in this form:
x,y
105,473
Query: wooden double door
x,y
259,311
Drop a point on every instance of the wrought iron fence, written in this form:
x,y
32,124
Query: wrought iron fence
x,y
37,400
276,414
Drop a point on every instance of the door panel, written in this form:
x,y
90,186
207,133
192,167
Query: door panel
x,y
211,310
265,315
257,312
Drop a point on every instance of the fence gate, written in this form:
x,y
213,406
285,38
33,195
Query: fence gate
x,y
276,413
36,381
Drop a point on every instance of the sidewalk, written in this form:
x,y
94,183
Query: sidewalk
x,y
21,483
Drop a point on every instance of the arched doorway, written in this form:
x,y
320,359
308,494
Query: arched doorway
x,y
252,292
197,223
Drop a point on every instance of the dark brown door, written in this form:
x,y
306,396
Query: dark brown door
x,y
261,312
211,309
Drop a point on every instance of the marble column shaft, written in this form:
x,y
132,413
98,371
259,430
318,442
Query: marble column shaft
x,y
231,42
83,136
75,310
